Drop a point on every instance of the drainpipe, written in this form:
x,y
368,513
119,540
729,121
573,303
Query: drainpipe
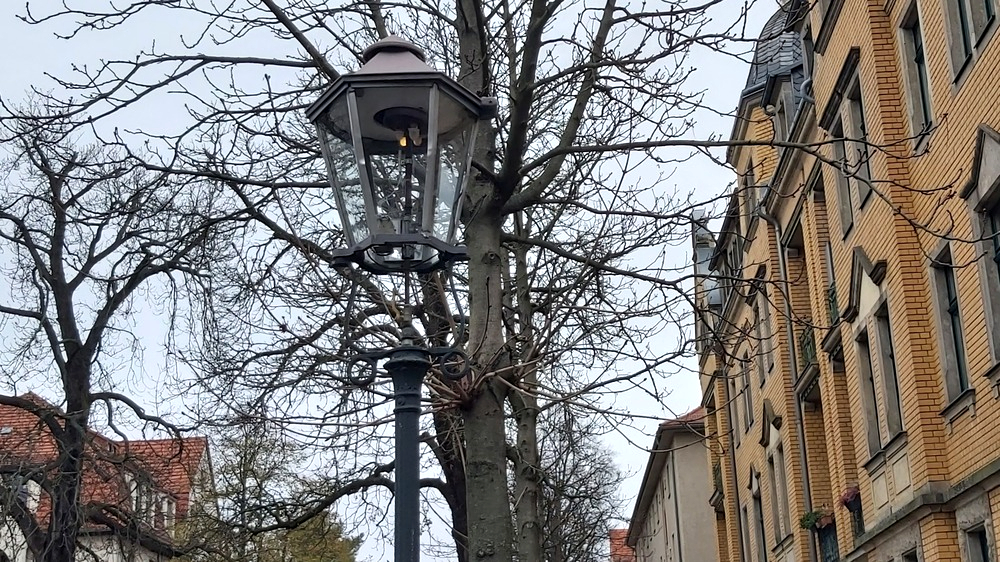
x,y
790,327
807,85
677,507
732,469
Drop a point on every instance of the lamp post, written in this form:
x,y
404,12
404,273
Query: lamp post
x,y
397,137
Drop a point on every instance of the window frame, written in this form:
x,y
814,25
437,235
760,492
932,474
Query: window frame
x,y
760,536
951,337
916,75
734,409
988,227
969,26
888,369
978,543
982,195
869,392
782,473
747,392
845,191
855,109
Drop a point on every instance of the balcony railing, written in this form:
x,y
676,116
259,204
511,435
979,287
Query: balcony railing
x,y
832,307
807,348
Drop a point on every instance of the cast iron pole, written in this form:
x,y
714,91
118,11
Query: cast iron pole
x,y
407,365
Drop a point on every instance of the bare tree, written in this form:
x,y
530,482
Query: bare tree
x,y
568,295
580,499
86,234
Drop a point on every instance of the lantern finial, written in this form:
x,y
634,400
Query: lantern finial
x,y
392,43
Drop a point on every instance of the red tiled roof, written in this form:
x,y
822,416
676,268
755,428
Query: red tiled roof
x,y
620,551
694,418
173,464
170,465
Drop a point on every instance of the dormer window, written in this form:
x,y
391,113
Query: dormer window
x,y
780,120
779,104
140,491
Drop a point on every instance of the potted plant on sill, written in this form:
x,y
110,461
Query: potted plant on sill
x,y
816,519
851,498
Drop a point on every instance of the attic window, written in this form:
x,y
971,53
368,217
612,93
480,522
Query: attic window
x,y
6,430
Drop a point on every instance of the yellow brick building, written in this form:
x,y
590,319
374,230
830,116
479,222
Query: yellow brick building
x,y
848,318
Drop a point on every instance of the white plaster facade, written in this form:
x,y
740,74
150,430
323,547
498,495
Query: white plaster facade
x,y
672,520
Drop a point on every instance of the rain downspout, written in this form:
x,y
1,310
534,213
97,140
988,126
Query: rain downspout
x,y
732,469
677,507
790,327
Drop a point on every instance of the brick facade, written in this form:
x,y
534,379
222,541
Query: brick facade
x,y
857,394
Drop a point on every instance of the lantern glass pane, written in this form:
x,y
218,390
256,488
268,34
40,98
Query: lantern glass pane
x,y
397,200
342,166
457,133
393,125
453,158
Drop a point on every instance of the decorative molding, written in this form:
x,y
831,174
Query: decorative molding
x,y
807,382
769,420
861,264
986,138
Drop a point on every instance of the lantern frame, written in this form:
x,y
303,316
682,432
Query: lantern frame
x,y
407,243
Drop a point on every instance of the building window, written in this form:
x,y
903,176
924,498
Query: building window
x,y
954,366
751,192
890,379
984,203
844,188
766,329
883,409
992,221
758,524
977,545
918,84
747,391
779,492
734,410
859,131
745,539
969,21
832,304
869,394
760,343
911,556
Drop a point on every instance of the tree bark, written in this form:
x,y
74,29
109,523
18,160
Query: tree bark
x,y
488,504
524,403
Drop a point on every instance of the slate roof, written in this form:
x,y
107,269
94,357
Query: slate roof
x,y
777,51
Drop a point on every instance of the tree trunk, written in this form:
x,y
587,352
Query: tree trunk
x,y
526,478
527,473
65,523
488,504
